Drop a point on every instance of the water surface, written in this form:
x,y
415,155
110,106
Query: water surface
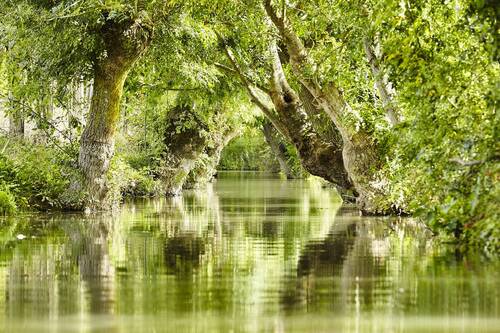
x,y
251,253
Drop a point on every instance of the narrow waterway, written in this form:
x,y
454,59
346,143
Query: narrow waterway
x,y
251,253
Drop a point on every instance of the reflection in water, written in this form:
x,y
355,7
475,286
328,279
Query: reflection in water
x,y
182,253
251,253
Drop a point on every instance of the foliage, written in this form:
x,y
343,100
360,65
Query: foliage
x,y
440,63
248,152
446,164
37,176
7,202
124,180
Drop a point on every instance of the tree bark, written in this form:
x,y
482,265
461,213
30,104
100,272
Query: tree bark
x,y
317,156
184,146
380,84
319,119
206,168
124,43
278,148
16,121
16,127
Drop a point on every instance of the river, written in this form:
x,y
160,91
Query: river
x,y
251,253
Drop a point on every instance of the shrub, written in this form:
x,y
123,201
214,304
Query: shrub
x,y
127,181
36,176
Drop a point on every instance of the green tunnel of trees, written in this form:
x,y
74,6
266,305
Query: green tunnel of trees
x,y
392,102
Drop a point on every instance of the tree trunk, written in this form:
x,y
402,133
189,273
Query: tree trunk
x,y
125,42
278,148
184,146
319,119
16,127
380,84
319,157
16,120
360,153
206,168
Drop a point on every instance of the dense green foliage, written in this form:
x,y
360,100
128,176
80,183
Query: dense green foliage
x,y
36,176
446,161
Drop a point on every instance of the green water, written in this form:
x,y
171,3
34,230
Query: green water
x,y
252,253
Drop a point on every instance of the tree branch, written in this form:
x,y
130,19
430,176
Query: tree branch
x,y
278,22
461,162
231,70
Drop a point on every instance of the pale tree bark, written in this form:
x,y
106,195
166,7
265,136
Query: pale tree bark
x,y
16,120
380,84
360,151
320,121
319,157
124,43
16,127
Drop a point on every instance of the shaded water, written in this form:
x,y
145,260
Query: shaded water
x,y
252,253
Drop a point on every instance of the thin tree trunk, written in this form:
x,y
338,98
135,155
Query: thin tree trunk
x,y
380,84
278,148
16,121
16,127
125,42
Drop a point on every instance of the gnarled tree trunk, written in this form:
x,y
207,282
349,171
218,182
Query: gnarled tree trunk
x,y
360,153
184,146
206,168
318,156
124,42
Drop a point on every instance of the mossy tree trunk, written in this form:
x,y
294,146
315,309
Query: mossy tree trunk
x,y
206,167
185,144
124,43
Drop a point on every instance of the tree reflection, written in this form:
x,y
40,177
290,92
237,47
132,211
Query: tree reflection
x,y
242,246
183,252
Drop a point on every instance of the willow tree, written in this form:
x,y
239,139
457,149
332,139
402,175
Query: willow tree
x,y
361,156
258,68
98,41
411,88
124,41
285,111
